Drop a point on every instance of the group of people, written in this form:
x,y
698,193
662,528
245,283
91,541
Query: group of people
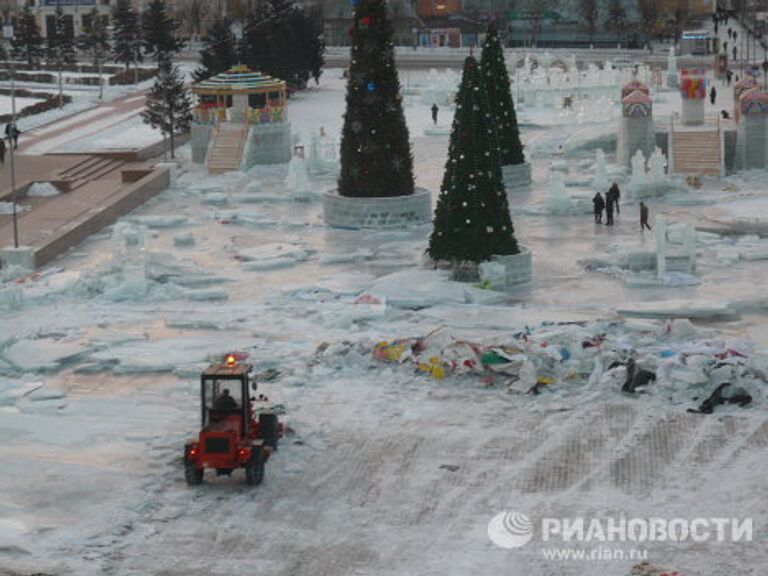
x,y
607,204
610,204
12,134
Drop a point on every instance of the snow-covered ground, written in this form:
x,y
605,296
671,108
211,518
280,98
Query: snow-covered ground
x,y
131,133
386,470
6,105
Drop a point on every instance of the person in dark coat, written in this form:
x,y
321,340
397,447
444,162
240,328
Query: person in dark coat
x,y
225,401
615,195
2,151
644,217
16,133
599,204
713,95
735,51
435,110
609,210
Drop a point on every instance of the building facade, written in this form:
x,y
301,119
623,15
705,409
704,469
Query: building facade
x,y
77,13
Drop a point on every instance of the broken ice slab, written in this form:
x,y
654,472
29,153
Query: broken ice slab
x,y
42,355
183,240
269,264
156,222
681,309
206,295
273,250
346,258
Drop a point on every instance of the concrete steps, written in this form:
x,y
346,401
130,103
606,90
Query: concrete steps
x,y
697,153
226,149
88,170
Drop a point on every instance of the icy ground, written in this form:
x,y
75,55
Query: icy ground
x,y
386,470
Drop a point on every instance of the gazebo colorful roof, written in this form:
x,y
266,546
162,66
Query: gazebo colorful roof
x,y
638,96
633,86
754,101
745,83
239,80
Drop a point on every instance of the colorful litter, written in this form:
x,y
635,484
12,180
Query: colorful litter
x,y
681,362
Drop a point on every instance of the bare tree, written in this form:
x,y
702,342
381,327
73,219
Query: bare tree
x,y
617,16
538,9
649,16
192,15
680,10
588,10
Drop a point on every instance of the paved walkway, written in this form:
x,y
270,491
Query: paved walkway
x,y
47,138
31,159
40,218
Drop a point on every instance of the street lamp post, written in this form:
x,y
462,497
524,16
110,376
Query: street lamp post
x,y
13,167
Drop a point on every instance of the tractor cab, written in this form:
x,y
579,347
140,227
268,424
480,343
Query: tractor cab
x,y
234,432
225,396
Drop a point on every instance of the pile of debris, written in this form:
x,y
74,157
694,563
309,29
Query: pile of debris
x,y
674,359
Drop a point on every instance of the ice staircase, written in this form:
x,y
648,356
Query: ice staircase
x,y
88,170
226,148
697,153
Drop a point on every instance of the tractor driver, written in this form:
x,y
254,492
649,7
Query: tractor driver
x,y
225,401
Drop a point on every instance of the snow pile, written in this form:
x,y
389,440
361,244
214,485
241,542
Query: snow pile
x,y
7,208
425,288
42,189
672,359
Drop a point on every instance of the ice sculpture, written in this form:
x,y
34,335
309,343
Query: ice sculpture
x,y
558,201
297,179
600,179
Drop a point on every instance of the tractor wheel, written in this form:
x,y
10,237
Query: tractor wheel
x,y
254,469
269,430
192,474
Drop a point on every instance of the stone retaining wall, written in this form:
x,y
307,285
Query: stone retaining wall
x,y
393,212
120,203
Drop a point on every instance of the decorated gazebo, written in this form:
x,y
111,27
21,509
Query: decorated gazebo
x,y
240,95
240,120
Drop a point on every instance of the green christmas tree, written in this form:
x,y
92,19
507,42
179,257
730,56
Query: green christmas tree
x,y
27,42
127,34
59,45
281,40
472,221
376,156
169,106
95,39
219,51
159,32
496,81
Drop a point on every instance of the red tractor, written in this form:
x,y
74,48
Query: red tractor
x,y
231,435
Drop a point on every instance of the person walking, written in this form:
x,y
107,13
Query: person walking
x,y
435,110
16,133
2,151
713,95
644,217
615,196
728,77
735,51
599,205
